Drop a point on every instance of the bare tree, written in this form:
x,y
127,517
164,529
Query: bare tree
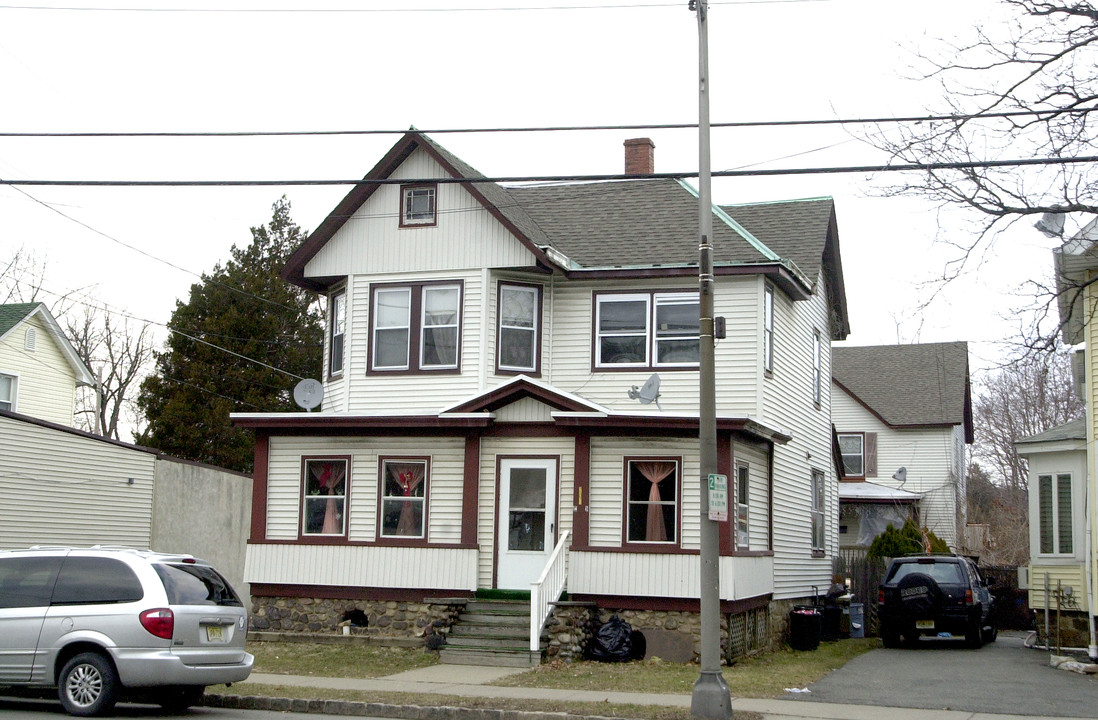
x,y
120,353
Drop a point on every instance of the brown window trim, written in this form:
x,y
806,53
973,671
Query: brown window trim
x,y
398,541
342,291
414,186
415,328
652,547
321,538
539,289
650,337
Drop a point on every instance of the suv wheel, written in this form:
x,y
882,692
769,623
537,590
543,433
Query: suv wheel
x,y
88,685
890,637
180,697
990,634
974,633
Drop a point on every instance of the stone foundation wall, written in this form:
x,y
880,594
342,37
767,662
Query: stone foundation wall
x,y
384,618
1074,629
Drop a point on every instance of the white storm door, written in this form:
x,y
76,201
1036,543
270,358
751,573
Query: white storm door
x,y
527,520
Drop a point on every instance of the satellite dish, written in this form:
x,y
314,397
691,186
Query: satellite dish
x,y
1051,224
900,475
649,392
308,393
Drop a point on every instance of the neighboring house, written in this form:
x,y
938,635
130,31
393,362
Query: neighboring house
x,y
487,364
39,369
902,415
1076,265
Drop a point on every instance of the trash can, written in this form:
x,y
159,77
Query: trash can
x,y
832,617
804,627
857,620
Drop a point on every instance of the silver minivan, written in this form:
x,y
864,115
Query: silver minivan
x,y
100,622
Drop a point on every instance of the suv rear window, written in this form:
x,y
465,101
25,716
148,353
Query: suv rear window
x,y
96,580
946,573
195,585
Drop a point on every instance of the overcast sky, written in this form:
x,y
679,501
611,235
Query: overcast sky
x,y
176,66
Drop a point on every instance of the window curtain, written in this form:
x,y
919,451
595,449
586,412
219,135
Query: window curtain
x,y
329,476
655,472
408,477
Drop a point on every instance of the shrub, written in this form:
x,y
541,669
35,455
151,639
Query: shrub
x,y
908,539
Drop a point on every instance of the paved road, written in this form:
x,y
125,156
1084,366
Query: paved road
x,y
1004,677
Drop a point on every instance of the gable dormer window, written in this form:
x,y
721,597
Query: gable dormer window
x,y
418,206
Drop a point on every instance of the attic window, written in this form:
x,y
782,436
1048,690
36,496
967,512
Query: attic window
x,y
418,207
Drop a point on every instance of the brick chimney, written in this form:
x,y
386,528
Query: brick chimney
x,y
640,156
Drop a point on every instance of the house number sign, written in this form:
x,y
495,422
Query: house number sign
x,y
718,497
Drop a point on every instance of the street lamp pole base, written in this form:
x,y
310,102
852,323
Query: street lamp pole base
x,y
711,698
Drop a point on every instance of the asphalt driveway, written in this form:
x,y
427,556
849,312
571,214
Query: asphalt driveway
x,y
1003,677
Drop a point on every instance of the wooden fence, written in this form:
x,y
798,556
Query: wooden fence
x,y
865,574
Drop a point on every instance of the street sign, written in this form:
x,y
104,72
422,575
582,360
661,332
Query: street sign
x,y
718,497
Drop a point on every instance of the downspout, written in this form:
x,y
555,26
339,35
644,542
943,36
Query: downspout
x,y
1089,498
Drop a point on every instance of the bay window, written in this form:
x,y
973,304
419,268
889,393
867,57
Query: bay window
x,y
517,337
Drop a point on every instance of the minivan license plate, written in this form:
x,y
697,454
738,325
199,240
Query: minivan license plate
x,y
919,624
215,633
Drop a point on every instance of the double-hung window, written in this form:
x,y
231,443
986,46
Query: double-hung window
x,y
768,328
657,329
1054,505
324,497
418,207
818,504
743,507
652,501
338,311
416,327
404,498
519,314
7,392
817,367
852,449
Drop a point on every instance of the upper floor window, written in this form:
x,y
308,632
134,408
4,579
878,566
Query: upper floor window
x,y
652,501
418,206
658,329
818,505
404,498
519,313
852,449
416,327
743,506
338,308
7,392
817,369
768,328
1054,505
324,496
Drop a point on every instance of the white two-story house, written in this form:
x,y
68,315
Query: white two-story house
x,y
490,408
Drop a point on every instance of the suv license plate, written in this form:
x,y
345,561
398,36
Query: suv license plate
x,y
919,625
215,633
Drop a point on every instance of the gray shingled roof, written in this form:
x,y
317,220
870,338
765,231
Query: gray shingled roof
x,y
12,315
1074,430
908,385
794,229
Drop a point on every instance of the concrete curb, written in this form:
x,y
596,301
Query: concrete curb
x,y
385,710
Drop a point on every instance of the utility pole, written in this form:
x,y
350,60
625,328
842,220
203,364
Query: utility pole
x,y
711,698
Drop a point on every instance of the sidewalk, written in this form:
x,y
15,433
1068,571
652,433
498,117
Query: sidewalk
x,y
472,681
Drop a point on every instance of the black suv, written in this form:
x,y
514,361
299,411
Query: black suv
x,y
934,594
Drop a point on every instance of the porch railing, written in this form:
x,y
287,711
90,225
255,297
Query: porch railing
x,y
547,590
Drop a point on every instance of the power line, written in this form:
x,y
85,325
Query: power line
x,y
905,167
566,128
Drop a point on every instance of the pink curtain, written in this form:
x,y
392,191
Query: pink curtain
x,y
329,476
655,472
408,477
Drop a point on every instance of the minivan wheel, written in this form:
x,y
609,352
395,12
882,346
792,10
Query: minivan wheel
x,y
88,685
179,697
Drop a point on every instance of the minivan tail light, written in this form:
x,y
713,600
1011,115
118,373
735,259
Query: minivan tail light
x,y
159,621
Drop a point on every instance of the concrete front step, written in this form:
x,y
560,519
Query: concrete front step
x,y
487,656
498,631
487,641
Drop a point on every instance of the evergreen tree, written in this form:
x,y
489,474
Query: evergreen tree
x,y
237,345
907,540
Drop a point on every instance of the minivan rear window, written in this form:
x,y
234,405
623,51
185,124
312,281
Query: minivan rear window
x,y
195,585
96,581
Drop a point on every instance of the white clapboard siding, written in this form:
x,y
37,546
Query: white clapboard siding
x,y
45,381
358,566
444,484
664,575
491,448
788,404
525,410
758,525
926,453
65,488
466,236
607,493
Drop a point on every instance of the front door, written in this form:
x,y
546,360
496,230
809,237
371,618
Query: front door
x,y
527,520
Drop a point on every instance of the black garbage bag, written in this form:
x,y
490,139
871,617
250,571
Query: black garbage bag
x,y
612,642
